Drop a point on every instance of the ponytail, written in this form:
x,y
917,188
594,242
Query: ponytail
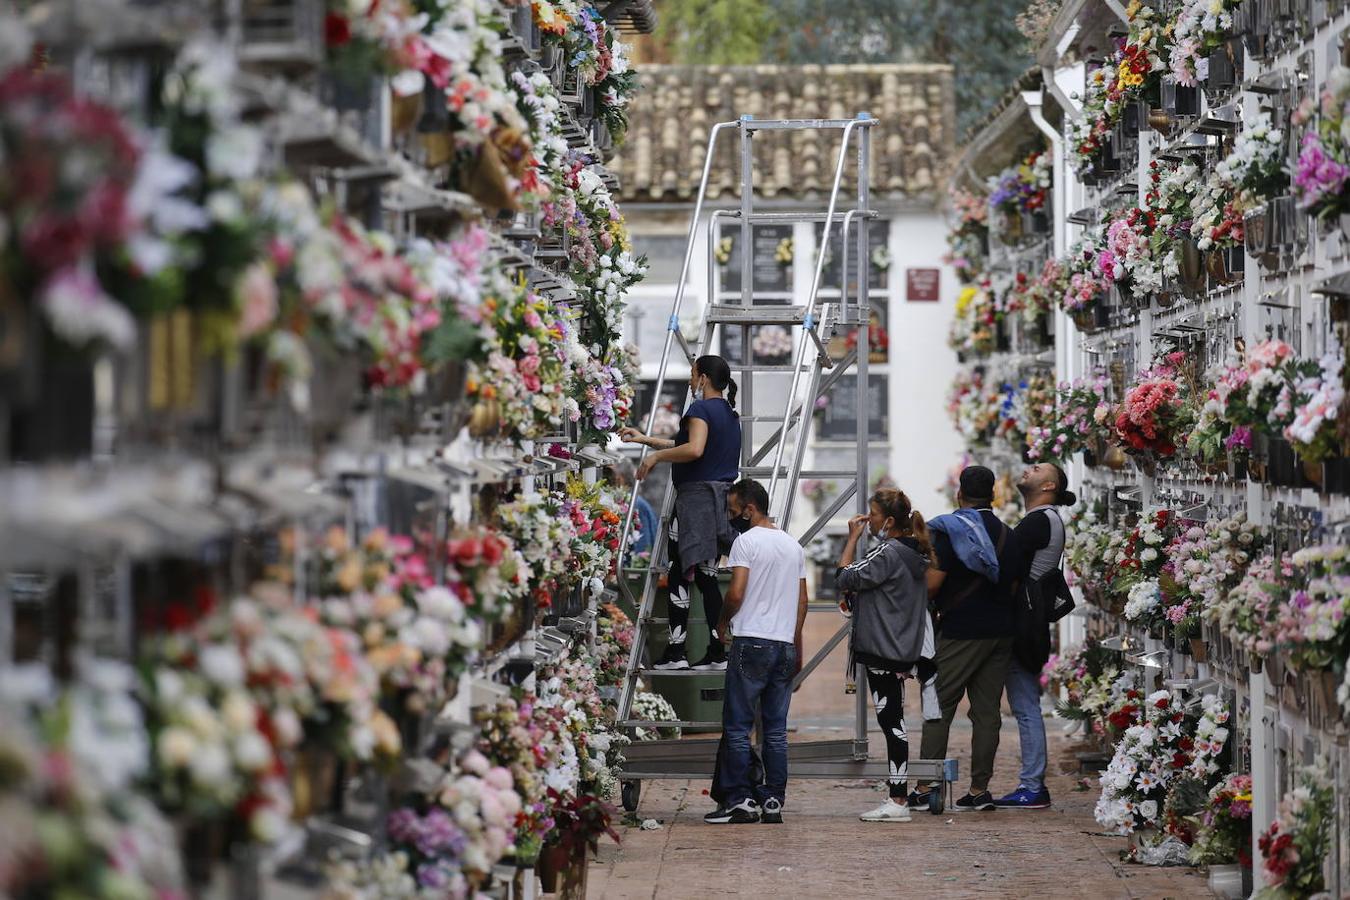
x,y
920,531
896,505
719,373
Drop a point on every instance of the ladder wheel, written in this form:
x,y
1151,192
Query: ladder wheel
x,y
630,792
935,800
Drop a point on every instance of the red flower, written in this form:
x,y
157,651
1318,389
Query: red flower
x,y
336,30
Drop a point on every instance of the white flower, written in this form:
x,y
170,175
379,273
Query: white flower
x,y
252,751
234,153
210,766
222,665
1149,809
175,746
80,312
238,712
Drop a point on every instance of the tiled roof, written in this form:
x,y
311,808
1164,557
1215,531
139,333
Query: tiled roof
x,y
662,158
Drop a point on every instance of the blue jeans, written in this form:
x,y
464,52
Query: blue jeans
x,y
759,673
1024,699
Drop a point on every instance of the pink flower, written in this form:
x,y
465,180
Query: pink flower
x,y
255,295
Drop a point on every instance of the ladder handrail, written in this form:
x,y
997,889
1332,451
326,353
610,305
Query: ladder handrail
x,y
626,697
814,389
808,321
674,322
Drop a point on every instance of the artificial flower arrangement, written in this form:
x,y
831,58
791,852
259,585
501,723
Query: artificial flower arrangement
x,y
1255,393
1203,564
597,512
967,241
531,363
1163,741
1082,286
972,328
545,535
649,707
1312,626
1022,188
1223,828
145,222
1026,406
1295,845
613,646
1200,28
589,46
1085,678
1255,167
1154,414
75,791
782,254
1136,557
1088,134
1323,167
1247,611
1318,402
1082,418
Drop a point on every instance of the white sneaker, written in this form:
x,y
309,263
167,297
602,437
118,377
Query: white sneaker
x,y
890,811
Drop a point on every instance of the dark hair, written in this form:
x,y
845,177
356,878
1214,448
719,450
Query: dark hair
x,y
896,505
719,373
747,490
1063,496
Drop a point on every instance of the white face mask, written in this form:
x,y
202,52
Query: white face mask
x,y
698,392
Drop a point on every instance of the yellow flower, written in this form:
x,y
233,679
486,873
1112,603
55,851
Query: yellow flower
x,y
964,300
1133,9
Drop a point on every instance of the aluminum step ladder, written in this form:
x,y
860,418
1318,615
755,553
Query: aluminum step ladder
x,y
774,457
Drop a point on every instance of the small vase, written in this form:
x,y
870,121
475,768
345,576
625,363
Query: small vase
x,y
1313,472
552,862
1226,881
1115,458
1257,664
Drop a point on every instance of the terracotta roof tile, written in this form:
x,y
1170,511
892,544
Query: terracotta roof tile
x,y
662,158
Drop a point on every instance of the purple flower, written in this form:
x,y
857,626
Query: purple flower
x,y
403,825
433,875
440,835
1318,178
1241,437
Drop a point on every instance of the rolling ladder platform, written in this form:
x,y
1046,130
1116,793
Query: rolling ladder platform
x,y
774,457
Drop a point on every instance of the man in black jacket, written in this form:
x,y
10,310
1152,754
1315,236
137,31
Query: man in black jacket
x,y
974,615
1040,546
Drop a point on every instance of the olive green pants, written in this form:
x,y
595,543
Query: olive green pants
x,y
977,669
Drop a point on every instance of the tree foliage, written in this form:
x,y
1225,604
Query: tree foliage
x,y
719,32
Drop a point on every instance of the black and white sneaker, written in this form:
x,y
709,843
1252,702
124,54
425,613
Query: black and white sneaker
x,y
981,802
673,658
714,660
772,813
744,813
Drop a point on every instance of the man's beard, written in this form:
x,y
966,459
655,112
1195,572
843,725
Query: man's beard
x,y
1025,489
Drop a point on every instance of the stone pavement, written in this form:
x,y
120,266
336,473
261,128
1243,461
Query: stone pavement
x,y
822,850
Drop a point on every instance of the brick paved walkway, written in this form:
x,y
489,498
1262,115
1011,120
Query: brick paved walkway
x,y
822,850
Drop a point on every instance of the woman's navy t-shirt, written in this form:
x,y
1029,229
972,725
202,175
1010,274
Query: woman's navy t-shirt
x,y
721,454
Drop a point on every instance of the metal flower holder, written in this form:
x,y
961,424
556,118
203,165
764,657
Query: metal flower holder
x,y
284,34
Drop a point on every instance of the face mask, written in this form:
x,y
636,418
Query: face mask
x,y
698,393
741,524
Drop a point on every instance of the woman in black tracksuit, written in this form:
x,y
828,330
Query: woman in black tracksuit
x,y
892,630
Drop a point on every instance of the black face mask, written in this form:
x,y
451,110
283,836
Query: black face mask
x,y
741,524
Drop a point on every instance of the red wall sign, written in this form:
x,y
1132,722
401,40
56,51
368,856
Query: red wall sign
x,y
922,285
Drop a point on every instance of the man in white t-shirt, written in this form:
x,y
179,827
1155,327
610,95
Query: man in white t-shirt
x,y
762,616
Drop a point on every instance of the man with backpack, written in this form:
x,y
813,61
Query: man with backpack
x,y
1041,598
971,594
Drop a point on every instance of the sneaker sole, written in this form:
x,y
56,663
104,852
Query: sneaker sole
x,y
909,818
1024,806
983,807
671,667
771,819
710,667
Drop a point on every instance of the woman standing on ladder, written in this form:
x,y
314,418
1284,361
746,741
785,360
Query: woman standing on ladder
x,y
892,630
704,461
